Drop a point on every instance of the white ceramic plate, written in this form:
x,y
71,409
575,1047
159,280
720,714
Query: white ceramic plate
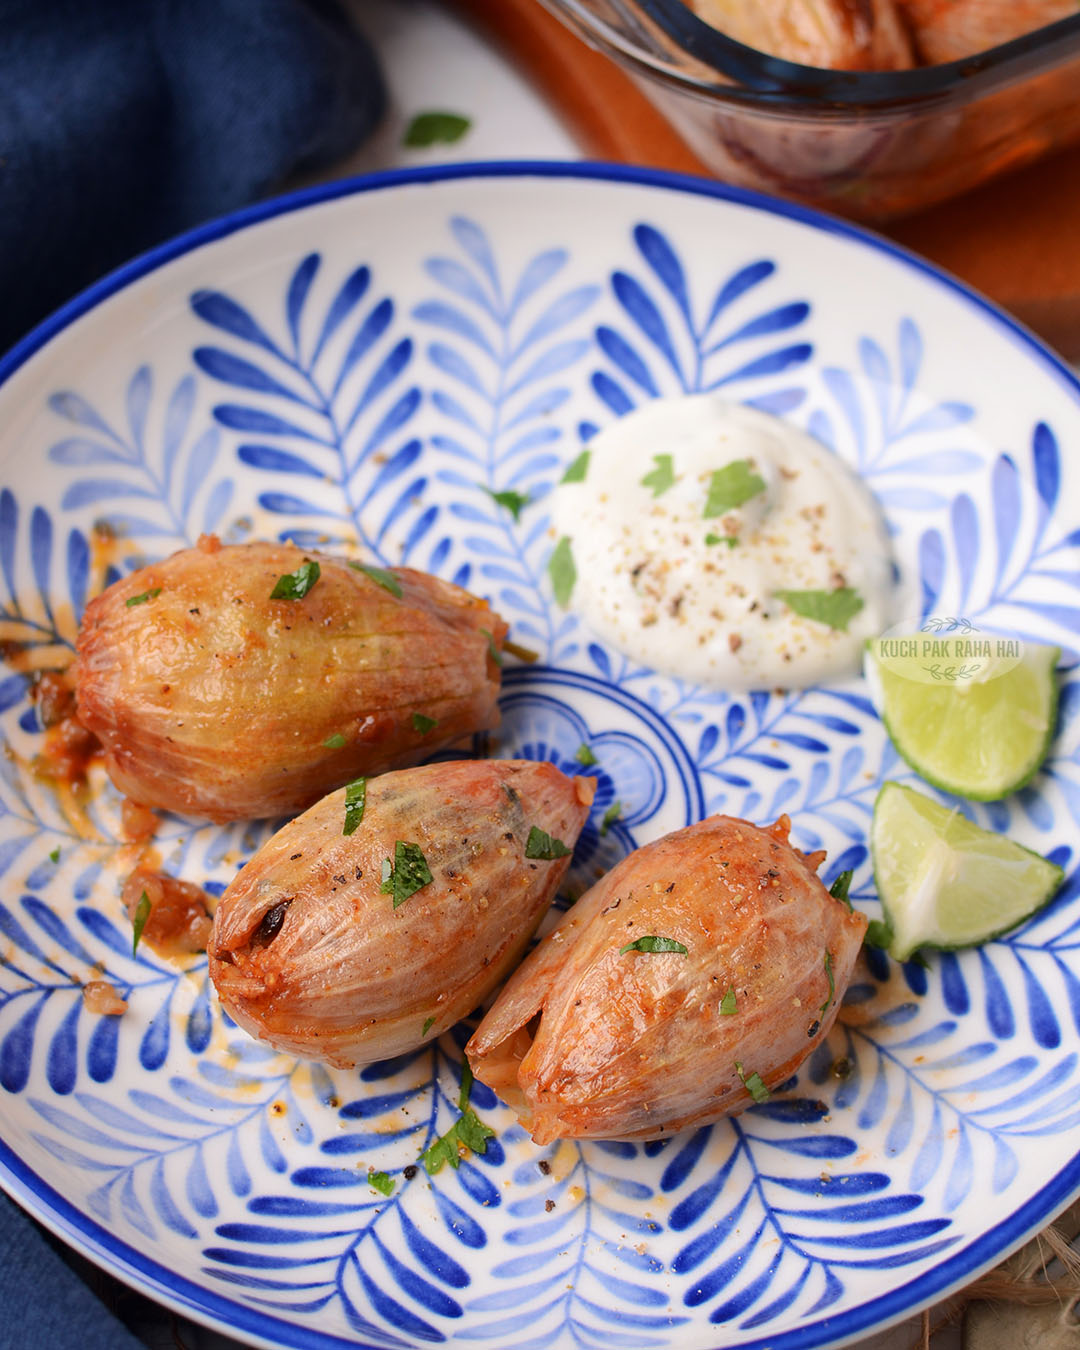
x,y
365,364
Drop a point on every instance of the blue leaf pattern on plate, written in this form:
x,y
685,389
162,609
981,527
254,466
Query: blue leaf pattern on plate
x,y
347,408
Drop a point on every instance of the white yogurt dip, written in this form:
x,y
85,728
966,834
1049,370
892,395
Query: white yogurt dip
x,y
722,545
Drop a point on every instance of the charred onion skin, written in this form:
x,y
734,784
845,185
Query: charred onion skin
x,y
309,953
213,700
635,1045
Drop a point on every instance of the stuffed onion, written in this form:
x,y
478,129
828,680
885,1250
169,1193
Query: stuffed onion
x,y
689,981
393,907
245,681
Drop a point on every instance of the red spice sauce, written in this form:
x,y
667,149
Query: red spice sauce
x,y
179,921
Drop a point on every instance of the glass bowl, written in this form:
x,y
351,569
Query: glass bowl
x,y
870,145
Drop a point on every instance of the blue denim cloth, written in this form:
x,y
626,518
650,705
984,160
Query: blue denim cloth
x,y
44,1305
123,122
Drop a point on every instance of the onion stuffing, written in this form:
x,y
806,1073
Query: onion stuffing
x,y
690,980
389,910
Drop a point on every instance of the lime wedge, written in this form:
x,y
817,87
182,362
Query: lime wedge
x,y
944,882
979,738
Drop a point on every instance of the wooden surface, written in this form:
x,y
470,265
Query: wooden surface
x,y
1017,239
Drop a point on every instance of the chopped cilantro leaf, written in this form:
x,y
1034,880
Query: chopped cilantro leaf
x,y
334,742
541,845
466,1085
424,724
407,874
835,609
469,1130
878,934
355,801
832,984
727,1003
611,815
731,486
728,539
54,856
576,472
381,577
443,1150
753,1084
473,1133
515,502
142,599
585,756
142,913
428,1024
562,571
493,651
841,886
295,585
381,1182
654,944
435,128
662,477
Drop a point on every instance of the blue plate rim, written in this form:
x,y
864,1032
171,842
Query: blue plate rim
x,y
125,1262
222,226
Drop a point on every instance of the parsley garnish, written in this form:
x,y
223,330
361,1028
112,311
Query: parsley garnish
x,y
427,1026
380,1181
468,1129
466,1085
562,571
654,944
727,1003
142,913
381,577
435,128
580,467
732,485
753,1084
142,599
840,887
878,934
832,983
493,651
334,742
662,477
355,801
728,539
541,845
407,874
585,756
424,724
835,609
295,585
611,815
515,502
54,856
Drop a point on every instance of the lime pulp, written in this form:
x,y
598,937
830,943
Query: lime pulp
x,y
980,738
944,882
